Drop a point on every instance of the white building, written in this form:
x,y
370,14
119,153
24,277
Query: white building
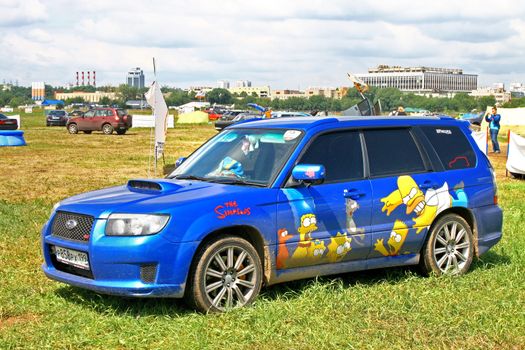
x,y
243,83
499,94
223,84
421,80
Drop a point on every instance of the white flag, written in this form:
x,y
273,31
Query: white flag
x,y
160,112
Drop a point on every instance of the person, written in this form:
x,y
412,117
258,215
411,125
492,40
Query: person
x,y
401,111
493,119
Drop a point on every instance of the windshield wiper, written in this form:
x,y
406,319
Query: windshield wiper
x,y
236,181
188,177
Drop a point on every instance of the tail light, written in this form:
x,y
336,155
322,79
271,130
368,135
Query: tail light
x,y
117,118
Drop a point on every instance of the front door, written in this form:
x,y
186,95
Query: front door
x,y
329,222
84,122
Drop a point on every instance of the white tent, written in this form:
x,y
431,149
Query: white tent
x,y
516,155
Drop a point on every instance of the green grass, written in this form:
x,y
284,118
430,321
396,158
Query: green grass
x,y
390,308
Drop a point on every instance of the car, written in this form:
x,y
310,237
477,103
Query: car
x,y
230,114
221,124
289,114
57,118
106,120
214,113
7,123
271,201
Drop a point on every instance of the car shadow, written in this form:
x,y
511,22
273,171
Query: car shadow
x,y
176,307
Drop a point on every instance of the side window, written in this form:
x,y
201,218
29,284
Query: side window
x,y
392,152
109,113
452,147
340,153
100,113
89,114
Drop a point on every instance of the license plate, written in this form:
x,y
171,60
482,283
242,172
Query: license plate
x,y
72,257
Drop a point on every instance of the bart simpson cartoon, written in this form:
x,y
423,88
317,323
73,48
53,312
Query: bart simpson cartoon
x,y
339,246
395,242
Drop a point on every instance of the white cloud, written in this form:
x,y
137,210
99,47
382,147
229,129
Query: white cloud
x,y
282,43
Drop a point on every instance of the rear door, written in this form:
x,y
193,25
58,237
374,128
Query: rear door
x,y
403,183
328,222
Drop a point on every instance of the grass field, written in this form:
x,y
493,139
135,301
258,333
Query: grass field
x,y
391,308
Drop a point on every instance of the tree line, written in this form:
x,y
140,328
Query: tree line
x,y
390,99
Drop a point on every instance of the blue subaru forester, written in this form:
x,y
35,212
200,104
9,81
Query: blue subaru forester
x,y
270,201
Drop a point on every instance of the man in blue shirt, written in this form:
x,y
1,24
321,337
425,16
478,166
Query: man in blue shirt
x,y
493,120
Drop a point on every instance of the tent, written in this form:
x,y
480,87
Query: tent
x,y
193,118
52,102
516,154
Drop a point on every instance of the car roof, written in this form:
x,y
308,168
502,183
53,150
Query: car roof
x,y
336,122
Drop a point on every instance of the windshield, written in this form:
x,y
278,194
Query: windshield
x,y
240,156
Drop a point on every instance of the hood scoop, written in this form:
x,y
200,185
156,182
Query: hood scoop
x,y
150,186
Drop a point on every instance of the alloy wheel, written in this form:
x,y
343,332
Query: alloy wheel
x,y
230,278
452,248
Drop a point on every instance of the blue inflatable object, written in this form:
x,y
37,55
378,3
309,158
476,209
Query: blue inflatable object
x,y
12,138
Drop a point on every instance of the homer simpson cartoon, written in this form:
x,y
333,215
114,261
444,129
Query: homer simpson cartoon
x,y
426,206
339,246
395,242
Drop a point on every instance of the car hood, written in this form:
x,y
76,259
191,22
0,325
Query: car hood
x,y
146,196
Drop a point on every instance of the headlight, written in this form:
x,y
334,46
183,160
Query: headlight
x,y
135,224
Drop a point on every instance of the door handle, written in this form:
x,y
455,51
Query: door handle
x,y
353,193
428,184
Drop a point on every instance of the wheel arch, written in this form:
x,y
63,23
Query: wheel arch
x,y
247,232
468,216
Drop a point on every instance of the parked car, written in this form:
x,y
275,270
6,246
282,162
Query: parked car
x,y
106,120
289,114
276,200
214,113
230,114
221,124
7,123
57,118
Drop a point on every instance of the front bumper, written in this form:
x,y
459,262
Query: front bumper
x,y
116,263
56,122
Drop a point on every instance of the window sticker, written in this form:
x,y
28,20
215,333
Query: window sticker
x,y
444,131
290,135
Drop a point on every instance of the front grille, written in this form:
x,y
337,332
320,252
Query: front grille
x,y
148,273
75,232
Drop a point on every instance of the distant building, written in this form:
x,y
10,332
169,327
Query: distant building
x,y
517,90
197,88
286,94
135,78
223,84
38,91
421,80
499,94
243,83
260,91
328,92
92,97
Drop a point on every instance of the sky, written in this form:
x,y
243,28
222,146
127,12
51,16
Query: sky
x,y
281,43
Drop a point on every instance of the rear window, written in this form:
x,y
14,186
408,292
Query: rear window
x,y
121,112
392,152
452,147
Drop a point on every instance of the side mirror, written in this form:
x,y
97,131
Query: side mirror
x,y
179,161
309,173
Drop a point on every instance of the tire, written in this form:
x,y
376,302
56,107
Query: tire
x,y
121,131
72,128
449,249
47,124
88,131
107,129
216,287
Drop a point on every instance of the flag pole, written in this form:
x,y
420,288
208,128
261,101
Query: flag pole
x,y
155,146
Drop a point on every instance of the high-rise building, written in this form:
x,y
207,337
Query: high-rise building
x,y
422,80
243,83
38,91
136,78
223,84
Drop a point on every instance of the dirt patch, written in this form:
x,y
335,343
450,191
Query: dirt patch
x,y
10,321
